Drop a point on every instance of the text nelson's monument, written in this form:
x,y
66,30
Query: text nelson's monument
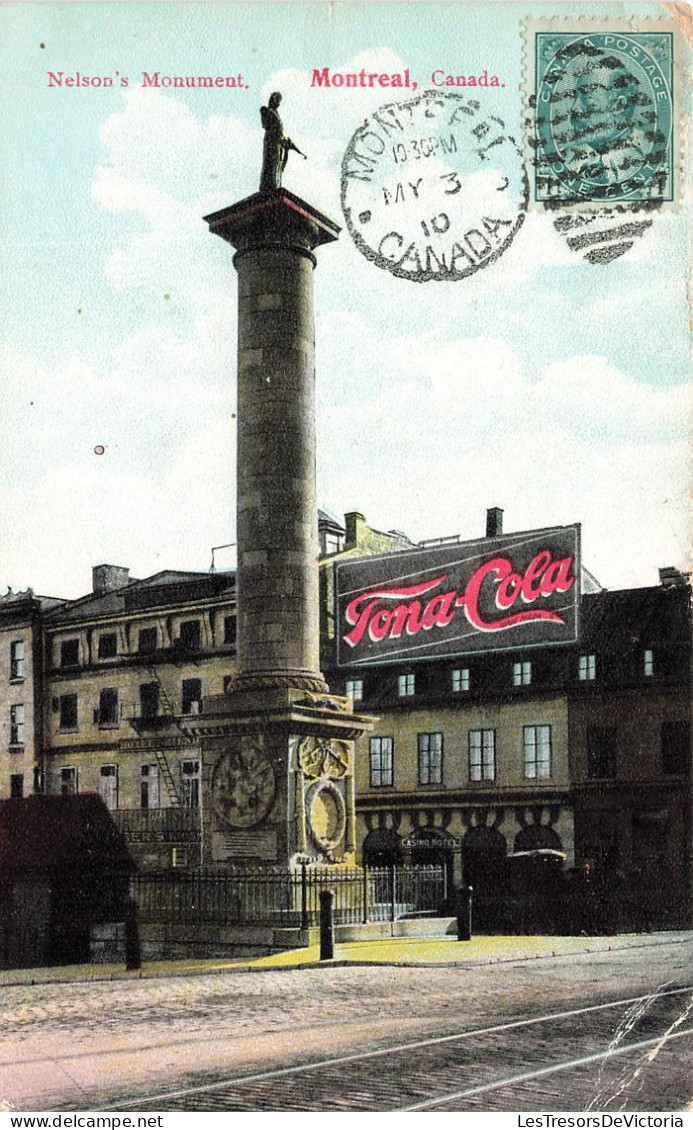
x,y
278,749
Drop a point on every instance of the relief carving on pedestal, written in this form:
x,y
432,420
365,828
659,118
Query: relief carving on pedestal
x,y
244,786
326,812
323,757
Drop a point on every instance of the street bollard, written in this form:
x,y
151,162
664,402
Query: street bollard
x,y
133,951
326,926
463,900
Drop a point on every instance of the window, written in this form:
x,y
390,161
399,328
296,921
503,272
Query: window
x,y
146,641
68,782
108,707
354,689
601,751
230,630
430,759
17,784
405,685
482,755
17,724
522,674
648,663
676,747
382,768
17,659
192,696
460,679
149,700
69,653
537,749
587,668
333,543
109,786
149,787
68,712
108,645
190,635
190,784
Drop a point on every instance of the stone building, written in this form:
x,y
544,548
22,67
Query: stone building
x,y
115,674
583,748
629,718
469,756
23,694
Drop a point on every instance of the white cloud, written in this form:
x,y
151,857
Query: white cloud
x,y
588,395
452,429
424,418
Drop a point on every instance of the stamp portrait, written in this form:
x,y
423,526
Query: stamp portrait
x,y
603,104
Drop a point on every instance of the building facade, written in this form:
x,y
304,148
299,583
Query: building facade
x,y
582,747
112,678
23,692
630,725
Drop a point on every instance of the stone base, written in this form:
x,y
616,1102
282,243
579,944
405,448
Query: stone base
x,y
277,776
181,942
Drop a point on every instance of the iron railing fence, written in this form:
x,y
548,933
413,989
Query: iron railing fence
x,y
274,896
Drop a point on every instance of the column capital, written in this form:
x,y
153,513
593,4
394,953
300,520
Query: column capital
x,y
277,219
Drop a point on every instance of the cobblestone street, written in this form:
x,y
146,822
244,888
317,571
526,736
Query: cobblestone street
x,y
89,1045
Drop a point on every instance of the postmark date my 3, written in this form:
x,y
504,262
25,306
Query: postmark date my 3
x,y
433,188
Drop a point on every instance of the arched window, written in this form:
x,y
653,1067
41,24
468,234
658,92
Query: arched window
x,y
536,836
382,848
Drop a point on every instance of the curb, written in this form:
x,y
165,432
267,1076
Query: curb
x,y
342,963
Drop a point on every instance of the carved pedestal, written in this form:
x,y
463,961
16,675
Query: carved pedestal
x,y
278,783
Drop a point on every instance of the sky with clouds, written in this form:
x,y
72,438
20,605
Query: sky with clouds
x,y
552,387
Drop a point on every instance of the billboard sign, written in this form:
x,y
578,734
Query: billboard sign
x,y
513,591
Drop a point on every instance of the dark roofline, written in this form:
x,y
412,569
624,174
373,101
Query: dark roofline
x,y
180,576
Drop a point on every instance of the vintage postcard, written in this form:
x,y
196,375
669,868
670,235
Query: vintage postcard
x,y
346,547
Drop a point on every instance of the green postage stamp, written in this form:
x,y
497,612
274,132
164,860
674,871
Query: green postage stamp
x,y
603,103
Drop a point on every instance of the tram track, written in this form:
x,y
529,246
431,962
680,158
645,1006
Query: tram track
x,y
594,1054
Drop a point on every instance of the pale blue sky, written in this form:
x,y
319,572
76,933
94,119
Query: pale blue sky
x,y
543,384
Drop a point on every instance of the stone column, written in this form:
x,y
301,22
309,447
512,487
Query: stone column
x,y
278,750
278,607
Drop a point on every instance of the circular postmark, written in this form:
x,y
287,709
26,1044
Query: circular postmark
x,y
434,187
603,115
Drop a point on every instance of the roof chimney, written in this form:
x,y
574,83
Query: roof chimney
x,y
108,578
494,522
355,526
669,576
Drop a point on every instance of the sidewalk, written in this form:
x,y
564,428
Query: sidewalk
x,y
405,952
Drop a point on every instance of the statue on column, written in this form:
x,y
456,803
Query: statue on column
x,y
276,147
